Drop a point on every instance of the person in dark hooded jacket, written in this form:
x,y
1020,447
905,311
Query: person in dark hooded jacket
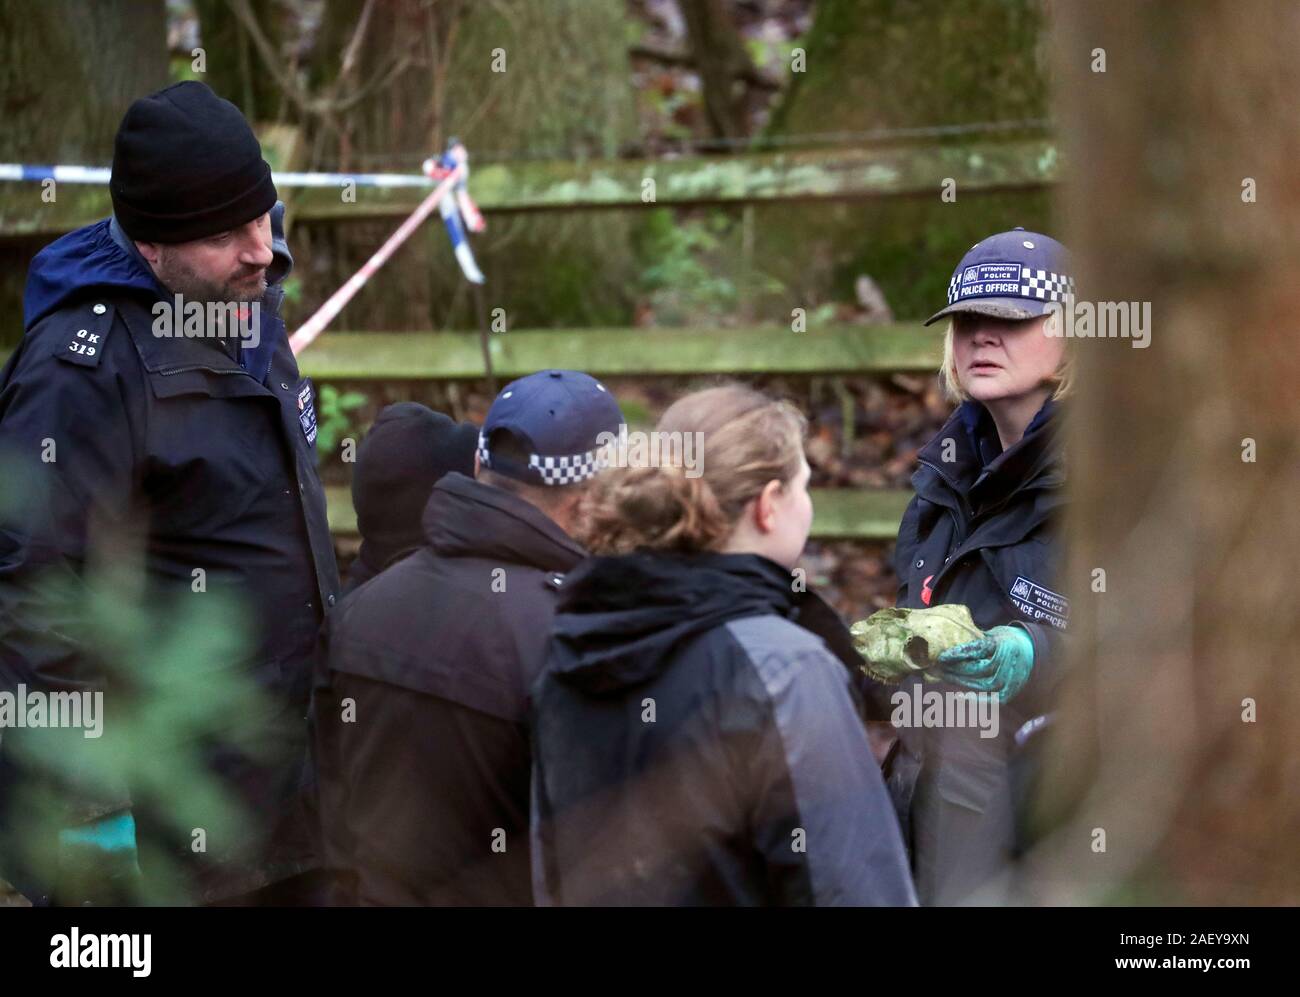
x,y
981,533
420,711
131,423
696,739
407,451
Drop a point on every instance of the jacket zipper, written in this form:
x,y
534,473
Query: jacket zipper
x,y
963,525
211,370
965,515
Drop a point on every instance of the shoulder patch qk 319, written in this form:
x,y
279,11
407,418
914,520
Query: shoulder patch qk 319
x,y
84,344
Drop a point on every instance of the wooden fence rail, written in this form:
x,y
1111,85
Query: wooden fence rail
x,y
838,513
838,349
838,173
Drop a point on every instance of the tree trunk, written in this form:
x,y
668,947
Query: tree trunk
x,y
233,67
1184,459
721,59
68,71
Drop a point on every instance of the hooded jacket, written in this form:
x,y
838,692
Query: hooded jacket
x,y
980,532
205,462
420,709
695,745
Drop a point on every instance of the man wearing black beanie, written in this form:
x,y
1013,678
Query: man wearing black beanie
x,y
130,428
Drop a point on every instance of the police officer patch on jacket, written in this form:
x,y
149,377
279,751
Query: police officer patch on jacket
x,y
307,412
85,345
1040,604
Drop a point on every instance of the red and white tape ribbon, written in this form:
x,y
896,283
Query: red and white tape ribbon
x,y
315,325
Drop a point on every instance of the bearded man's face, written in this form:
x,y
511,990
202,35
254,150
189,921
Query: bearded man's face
x,y
229,266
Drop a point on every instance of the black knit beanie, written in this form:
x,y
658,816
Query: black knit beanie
x,y
407,451
186,165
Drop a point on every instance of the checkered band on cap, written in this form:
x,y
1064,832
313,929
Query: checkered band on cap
x,y
1045,285
567,470
564,470
1042,285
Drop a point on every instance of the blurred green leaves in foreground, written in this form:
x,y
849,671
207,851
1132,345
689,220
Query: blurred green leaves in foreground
x,y
177,696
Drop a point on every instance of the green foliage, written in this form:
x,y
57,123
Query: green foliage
x,y
292,290
334,419
181,68
170,694
636,413
772,54
666,109
693,271
821,315
677,278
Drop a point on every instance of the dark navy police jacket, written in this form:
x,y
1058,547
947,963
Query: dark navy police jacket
x,y
979,532
211,466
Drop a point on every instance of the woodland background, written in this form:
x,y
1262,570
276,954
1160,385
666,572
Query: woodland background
x,y
1179,733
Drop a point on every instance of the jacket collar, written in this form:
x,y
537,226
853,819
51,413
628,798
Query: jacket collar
x,y
171,353
466,518
623,619
124,242
979,469
86,260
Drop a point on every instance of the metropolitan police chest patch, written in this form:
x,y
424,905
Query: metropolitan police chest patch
x,y
1040,604
307,412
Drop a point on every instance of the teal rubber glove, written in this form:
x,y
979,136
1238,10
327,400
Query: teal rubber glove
x,y
999,662
98,861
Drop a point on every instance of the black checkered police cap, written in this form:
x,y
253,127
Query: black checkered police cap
x,y
1012,275
558,416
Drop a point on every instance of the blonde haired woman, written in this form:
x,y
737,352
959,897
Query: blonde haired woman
x,y
696,741
980,533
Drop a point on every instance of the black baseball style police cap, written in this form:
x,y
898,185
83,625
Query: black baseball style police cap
x,y
558,417
1012,275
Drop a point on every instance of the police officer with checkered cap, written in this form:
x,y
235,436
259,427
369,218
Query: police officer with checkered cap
x,y
980,532
554,419
1012,275
442,648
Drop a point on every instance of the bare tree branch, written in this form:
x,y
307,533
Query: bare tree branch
x,y
319,106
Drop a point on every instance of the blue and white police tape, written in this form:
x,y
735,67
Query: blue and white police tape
x,y
460,210
451,208
100,175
